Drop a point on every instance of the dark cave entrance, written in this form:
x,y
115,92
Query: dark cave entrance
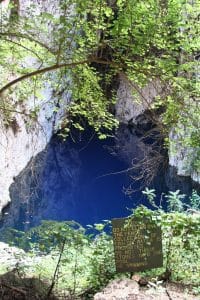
x,y
85,181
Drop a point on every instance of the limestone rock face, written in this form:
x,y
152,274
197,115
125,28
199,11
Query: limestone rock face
x,y
45,189
129,106
23,138
182,158
129,110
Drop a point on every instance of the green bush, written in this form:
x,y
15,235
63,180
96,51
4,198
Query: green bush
x,y
181,234
81,260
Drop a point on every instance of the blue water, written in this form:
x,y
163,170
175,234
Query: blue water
x,y
98,189
82,180
103,181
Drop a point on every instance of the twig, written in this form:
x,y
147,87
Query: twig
x,y
168,294
53,68
56,271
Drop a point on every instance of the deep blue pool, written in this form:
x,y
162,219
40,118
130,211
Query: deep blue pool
x,y
82,179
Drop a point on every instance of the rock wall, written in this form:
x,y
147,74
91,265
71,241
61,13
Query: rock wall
x,y
45,188
130,110
182,158
21,141
23,138
129,105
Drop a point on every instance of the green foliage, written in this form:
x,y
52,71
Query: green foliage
x,y
175,201
47,236
96,42
150,194
87,260
196,160
95,107
194,200
181,241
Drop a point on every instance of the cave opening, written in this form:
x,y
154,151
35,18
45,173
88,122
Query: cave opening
x,y
86,180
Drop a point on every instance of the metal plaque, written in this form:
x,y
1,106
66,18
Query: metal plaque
x,y
137,245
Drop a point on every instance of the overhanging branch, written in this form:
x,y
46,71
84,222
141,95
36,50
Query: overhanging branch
x,y
53,68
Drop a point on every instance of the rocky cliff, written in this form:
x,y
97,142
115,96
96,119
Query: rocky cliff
x,y
131,110
23,139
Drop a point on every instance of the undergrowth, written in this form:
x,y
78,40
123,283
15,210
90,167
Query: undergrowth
x,y
79,261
